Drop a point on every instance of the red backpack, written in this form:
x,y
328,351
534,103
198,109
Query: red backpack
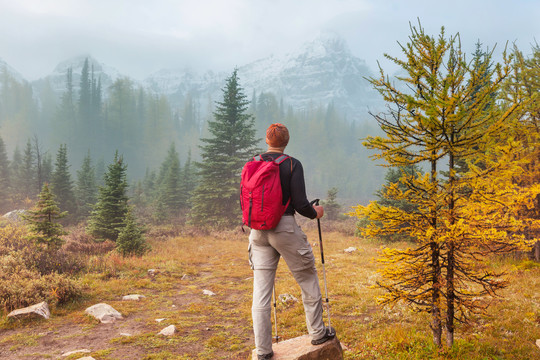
x,y
261,198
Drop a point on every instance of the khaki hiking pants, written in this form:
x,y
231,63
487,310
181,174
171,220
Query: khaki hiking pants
x,y
265,249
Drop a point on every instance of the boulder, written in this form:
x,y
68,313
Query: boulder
x,y
41,309
538,343
168,331
14,216
300,348
208,292
104,313
87,358
350,249
133,297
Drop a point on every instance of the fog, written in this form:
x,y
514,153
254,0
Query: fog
x,y
142,37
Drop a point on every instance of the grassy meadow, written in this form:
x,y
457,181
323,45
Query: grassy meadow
x,y
219,327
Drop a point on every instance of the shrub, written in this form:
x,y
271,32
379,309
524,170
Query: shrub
x,y
21,286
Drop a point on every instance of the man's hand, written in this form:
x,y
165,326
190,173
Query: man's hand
x,y
320,211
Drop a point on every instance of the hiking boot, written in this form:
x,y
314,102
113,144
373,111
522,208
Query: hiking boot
x,y
265,356
330,334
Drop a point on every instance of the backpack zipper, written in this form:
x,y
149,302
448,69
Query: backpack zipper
x,y
262,199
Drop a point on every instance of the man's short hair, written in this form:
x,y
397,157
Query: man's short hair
x,y
277,135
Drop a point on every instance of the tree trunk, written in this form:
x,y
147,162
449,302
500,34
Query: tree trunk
x,y
436,324
537,251
450,293
450,296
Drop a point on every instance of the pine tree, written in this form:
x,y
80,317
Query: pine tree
x,y
108,216
131,240
26,176
42,220
215,200
5,181
170,198
434,121
188,181
61,183
331,206
86,189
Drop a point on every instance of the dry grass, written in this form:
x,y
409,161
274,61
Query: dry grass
x,y
219,327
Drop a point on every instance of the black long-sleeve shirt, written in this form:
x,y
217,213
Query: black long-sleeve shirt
x,y
291,174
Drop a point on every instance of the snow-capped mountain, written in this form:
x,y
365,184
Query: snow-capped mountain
x,y
57,80
320,72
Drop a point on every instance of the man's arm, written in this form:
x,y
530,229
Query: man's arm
x,y
299,199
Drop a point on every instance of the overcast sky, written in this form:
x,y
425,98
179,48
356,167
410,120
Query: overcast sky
x,y
139,37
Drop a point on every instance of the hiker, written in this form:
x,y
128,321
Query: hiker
x,y
290,242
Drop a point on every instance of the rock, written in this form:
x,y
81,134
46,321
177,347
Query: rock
x,y
187,277
300,348
41,309
81,351
125,334
152,272
287,298
104,313
350,249
208,292
160,320
168,331
87,358
14,216
133,297
538,343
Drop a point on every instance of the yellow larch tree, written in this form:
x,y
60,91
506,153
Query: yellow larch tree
x,y
445,112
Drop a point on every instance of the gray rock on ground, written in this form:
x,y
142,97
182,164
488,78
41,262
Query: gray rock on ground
x,y
134,297
87,358
81,351
168,331
350,249
104,313
300,348
538,343
41,309
208,292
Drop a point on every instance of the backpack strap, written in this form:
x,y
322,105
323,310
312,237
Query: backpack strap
x,y
281,159
278,160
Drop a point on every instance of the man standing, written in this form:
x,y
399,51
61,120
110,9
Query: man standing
x,y
290,242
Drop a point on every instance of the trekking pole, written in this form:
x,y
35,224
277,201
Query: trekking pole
x,y
316,202
275,310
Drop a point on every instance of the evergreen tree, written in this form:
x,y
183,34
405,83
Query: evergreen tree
x,y
5,182
215,200
42,218
26,177
331,206
170,197
109,213
47,168
131,240
188,181
86,189
61,183
434,120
